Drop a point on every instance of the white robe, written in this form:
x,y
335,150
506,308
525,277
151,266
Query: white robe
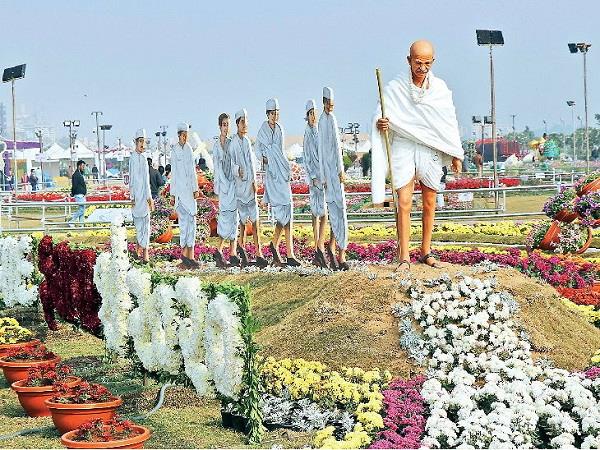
x,y
331,165
310,148
139,193
243,158
224,185
184,183
431,122
278,191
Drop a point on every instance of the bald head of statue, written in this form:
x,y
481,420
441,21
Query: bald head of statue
x,y
420,60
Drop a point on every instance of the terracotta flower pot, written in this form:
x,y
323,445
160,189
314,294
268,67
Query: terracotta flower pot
x,y
551,237
137,441
596,286
70,416
165,237
32,398
173,216
592,186
212,224
249,229
5,348
587,243
17,370
566,216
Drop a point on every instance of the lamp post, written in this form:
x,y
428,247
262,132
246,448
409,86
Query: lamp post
x,y
38,134
487,120
70,124
571,104
545,126
513,122
163,133
584,47
492,38
11,74
103,161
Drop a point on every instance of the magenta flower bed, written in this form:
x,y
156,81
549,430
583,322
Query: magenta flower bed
x,y
404,415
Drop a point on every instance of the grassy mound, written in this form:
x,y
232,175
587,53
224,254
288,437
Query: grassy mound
x,y
346,320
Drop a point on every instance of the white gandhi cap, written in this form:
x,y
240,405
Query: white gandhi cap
x,y
242,113
183,127
328,93
141,133
272,104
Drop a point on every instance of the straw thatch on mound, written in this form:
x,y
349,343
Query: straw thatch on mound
x,y
346,319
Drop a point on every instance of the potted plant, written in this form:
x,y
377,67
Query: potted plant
x,y
18,361
160,223
573,238
72,406
588,183
12,335
113,433
560,206
588,208
207,215
38,386
542,235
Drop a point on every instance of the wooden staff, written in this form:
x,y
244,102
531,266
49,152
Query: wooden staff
x,y
389,159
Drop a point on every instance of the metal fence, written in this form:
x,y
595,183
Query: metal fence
x,y
48,217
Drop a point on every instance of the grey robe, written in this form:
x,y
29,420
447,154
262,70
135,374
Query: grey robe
x,y
313,171
331,165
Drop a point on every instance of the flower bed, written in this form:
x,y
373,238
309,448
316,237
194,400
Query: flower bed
x,y
483,388
68,288
588,208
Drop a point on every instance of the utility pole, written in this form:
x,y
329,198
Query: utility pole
x,y
513,122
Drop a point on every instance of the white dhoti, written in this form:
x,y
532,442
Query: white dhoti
x,y
142,230
317,201
248,211
227,225
187,227
339,223
282,214
413,160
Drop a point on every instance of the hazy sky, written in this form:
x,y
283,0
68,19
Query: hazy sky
x,y
153,62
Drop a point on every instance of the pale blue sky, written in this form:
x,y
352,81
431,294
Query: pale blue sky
x,y
147,63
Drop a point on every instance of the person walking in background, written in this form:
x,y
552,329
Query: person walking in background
x,y
95,174
478,160
78,192
25,182
168,172
70,172
10,180
161,170
33,180
156,180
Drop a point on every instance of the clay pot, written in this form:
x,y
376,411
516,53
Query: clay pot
x,y
165,237
17,370
137,441
32,398
249,229
212,224
173,216
587,243
551,237
596,286
6,348
70,416
592,186
566,216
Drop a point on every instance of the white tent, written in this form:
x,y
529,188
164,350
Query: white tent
x,y
55,151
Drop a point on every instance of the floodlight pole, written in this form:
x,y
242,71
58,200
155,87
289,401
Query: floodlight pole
x,y
97,113
585,107
14,117
493,101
